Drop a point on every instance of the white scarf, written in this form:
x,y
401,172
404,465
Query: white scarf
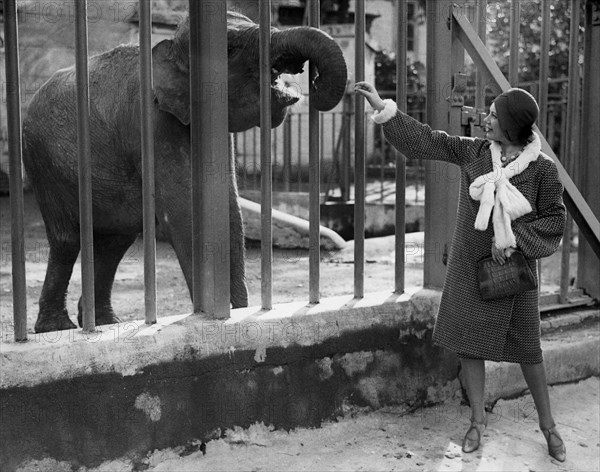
x,y
494,191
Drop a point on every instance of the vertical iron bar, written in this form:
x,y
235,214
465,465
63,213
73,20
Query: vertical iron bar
x,y
299,171
210,148
345,160
480,17
513,61
441,187
13,123
148,190
544,68
85,167
256,167
266,242
274,150
379,130
573,103
244,172
571,138
401,90
588,266
333,153
322,137
543,88
287,151
314,177
359,155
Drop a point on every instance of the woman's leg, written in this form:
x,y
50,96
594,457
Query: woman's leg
x,y
535,376
474,375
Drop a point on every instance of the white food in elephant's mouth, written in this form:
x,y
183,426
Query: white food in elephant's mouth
x,y
287,93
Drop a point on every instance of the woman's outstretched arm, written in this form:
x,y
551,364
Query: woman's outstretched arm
x,y
415,139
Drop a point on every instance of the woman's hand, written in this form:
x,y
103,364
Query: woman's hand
x,y
368,91
500,255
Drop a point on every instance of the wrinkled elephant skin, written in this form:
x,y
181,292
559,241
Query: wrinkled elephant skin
x,y
50,151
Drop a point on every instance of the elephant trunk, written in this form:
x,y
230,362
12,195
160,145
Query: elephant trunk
x,y
305,43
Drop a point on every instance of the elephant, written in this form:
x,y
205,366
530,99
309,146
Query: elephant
x,y
51,162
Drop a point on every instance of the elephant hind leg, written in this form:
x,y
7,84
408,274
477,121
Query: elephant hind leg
x,y
109,249
53,315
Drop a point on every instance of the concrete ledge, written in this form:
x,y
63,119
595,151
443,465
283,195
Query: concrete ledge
x,y
568,357
129,348
133,388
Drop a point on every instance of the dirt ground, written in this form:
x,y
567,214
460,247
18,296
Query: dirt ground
x,y
290,272
388,439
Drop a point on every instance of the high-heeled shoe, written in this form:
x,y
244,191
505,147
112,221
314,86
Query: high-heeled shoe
x,y
558,451
469,444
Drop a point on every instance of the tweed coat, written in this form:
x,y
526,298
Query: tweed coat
x,y
500,330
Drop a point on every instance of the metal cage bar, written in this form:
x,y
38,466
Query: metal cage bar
x,y
209,145
13,109
513,60
480,18
148,187
314,178
85,167
266,189
571,141
441,191
588,267
543,88
400,221
359,155
544,68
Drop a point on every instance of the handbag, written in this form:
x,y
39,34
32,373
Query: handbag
x,y
500,281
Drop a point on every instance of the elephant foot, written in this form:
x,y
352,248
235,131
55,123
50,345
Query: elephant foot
x,y
103,317
104,320
239,296
239,303
56,322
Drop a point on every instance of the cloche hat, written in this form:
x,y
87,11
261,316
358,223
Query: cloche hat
x,y
517,111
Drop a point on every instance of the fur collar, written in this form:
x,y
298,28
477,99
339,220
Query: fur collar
x,y
494,192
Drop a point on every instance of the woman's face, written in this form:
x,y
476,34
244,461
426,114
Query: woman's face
x,y
492,126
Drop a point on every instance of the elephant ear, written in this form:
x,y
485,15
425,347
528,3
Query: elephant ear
x,y
171,82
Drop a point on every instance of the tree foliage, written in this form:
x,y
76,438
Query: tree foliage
x,y
498,31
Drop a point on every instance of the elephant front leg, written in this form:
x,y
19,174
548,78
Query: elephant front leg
x,y
53,315
179,230
108,252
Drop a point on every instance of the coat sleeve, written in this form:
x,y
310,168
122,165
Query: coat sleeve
x,y
418,141
541,237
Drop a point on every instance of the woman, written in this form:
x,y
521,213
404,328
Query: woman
x,y
507,179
